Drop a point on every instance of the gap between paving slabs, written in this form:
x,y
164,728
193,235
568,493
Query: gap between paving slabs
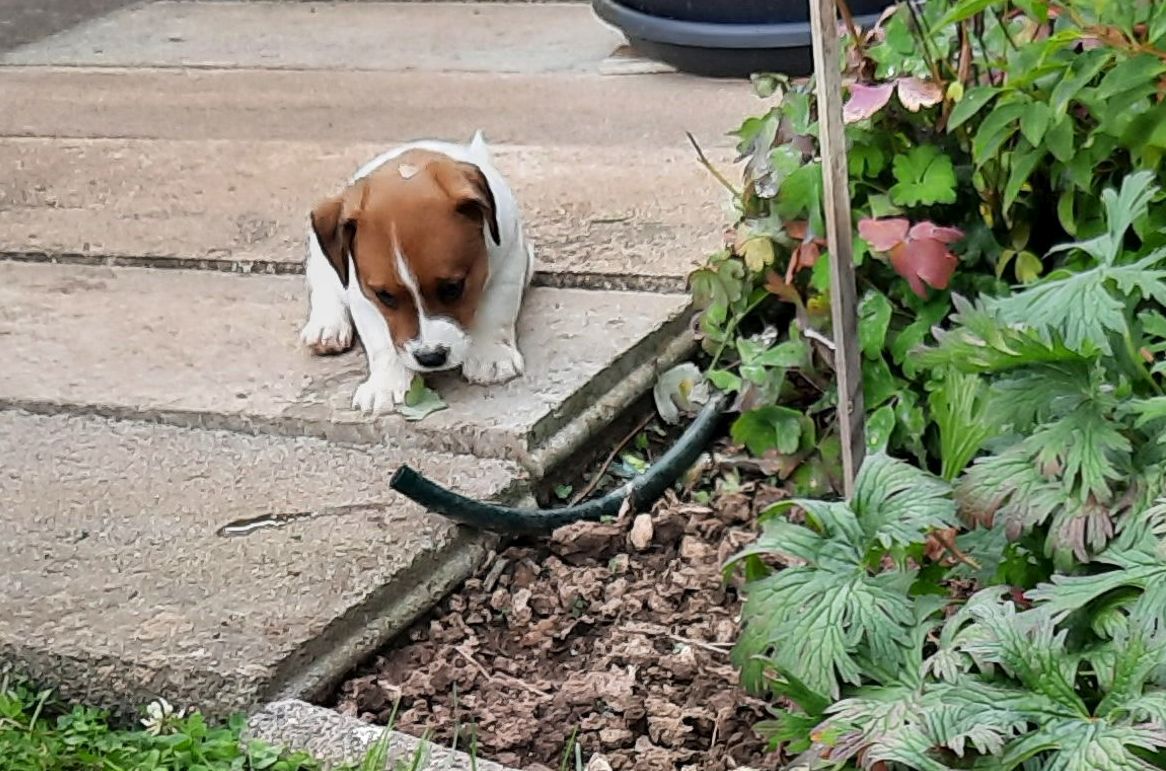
x,y
589,354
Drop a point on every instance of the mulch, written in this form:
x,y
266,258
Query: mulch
x,y
616,633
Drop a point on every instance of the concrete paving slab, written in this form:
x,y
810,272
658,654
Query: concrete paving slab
x,y
22,22
116,588
564,109
211,350
467,37
334,738
610,210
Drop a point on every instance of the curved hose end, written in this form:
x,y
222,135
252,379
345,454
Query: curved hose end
x,y
404,480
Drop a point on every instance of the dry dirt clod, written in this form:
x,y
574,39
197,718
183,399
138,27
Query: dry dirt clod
x,y
598,763
641,533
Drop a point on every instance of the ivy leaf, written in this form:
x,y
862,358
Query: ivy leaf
x,y
880,424
866,101
420,401
801,194
786,354
924,175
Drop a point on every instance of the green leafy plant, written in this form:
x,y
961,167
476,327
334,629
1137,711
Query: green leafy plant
x,y
39,733
1073,676
967,122
1069,387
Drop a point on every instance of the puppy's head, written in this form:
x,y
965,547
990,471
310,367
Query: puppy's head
x,y
416,232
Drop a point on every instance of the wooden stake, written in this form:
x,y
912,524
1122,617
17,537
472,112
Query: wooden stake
x,y
836,192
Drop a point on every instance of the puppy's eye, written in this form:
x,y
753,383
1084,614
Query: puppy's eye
x,y
449,291
389,300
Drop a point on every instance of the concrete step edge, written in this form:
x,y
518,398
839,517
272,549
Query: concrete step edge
x,y
334,738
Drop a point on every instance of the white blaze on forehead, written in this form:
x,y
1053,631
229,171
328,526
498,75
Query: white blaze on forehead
x,y
406,275
432,331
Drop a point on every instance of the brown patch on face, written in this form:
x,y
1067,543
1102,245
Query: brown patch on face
x,y
431,210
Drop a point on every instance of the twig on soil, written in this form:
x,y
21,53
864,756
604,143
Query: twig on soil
x,y
473,662
590,486
500,675
495,573
651,629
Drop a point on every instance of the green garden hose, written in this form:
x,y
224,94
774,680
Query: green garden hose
x,y
642,491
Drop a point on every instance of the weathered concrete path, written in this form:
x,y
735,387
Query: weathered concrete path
x,y
150,395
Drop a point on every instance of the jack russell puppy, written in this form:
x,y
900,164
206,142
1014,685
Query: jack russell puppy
x,y
424,252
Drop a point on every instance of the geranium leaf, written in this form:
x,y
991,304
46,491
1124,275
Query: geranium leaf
x,y
768,428
865,101
925,261
885,234
916,93
924,175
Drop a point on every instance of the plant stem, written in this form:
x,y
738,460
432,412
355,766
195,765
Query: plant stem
x,y
1004,29
704,161
923,35
852,28
732,327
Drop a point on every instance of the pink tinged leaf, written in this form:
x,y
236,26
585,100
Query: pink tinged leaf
x,y
797,229
865,101
924,262
916,93
927,229
807,254
883,235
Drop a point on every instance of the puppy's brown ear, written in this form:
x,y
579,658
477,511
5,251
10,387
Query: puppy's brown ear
x,y
467,185
334,223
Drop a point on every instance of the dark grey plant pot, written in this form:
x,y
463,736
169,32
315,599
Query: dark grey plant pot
x,y
725,38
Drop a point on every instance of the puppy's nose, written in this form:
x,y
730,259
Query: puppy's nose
x,y
434,357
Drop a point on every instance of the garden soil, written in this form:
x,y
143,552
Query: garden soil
x,y
617,633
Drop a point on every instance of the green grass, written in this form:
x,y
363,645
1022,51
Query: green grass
x,y
38,733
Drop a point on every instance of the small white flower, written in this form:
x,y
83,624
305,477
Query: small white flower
x,y
161,716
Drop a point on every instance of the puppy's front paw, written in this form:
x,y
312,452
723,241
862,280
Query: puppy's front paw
x,y
493,362
382,391
327,333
